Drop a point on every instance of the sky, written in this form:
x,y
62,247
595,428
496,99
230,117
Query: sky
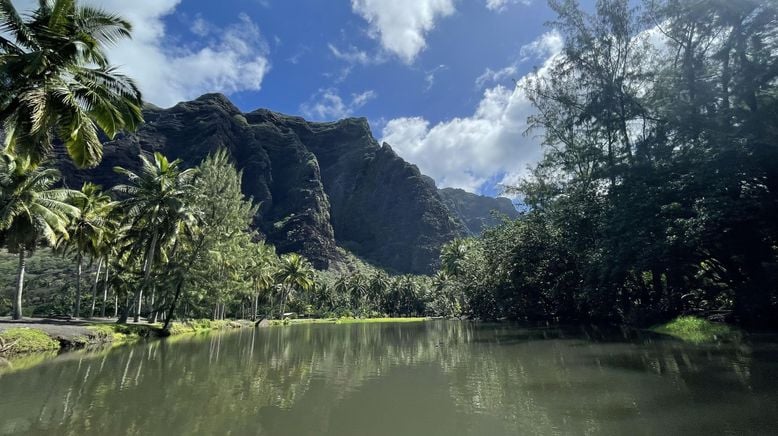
x,y
435,78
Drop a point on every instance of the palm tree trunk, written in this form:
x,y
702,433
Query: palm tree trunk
x,y
77,310
17,309
147,274
94,287
153,315
105,288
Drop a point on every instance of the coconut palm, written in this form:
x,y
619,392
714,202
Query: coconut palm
x,y
156,200
262,269
58,83
87,233
294,274
31,212
452,256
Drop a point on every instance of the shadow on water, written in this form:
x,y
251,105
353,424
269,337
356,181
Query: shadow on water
x,y
431,378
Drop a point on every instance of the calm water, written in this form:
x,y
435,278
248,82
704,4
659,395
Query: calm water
x,y
435,378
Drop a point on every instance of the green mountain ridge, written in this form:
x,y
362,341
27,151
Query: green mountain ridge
x,y
320,185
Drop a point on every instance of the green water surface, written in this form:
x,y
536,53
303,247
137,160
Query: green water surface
x,y
431,378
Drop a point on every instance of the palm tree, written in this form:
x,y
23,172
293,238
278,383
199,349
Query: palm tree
x,y
294,274
452,256
58,83
157,203
30,211
87,234
262,269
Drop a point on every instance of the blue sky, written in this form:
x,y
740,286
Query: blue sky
x,y
435,78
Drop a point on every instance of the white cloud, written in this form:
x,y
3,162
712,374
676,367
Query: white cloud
x,y
235,59
549,44
402,25
501,5
353,55
431,75
492,76
200,27
327,104
468,152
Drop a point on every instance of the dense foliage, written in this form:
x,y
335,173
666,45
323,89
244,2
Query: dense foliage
x,y
657,194
174,242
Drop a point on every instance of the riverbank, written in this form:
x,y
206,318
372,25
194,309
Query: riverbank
x,y
42,334
38,334
347,320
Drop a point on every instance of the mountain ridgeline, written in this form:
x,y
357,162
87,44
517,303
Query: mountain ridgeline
x,y
320,185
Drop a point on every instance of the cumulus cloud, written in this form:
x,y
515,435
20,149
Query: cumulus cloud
x,y
327,104
469,152
232,59
402,25
501,5
549,44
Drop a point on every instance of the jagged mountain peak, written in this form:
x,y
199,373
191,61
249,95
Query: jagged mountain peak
x,y
321,184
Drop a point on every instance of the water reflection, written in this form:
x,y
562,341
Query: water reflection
x,y
430,378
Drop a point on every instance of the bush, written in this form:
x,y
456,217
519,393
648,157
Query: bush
x,y
26,340
697,330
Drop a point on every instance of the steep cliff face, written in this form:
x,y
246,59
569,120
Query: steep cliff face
x,y
319,184
476,212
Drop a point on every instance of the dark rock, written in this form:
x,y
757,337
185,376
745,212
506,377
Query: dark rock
x,y
319,184
477,212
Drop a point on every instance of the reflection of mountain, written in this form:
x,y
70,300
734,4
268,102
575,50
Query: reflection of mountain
x,y
429,378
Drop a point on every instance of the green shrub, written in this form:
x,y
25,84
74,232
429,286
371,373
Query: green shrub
x,y
697,330
26,340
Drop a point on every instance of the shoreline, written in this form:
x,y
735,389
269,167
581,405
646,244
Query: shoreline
x,y
35,335
31,335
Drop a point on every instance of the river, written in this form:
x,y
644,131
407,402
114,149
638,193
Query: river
x,y
429,378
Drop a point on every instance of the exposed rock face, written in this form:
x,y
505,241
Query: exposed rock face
x,y
476,212
319,184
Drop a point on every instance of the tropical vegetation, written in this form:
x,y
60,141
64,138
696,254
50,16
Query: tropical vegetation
x,y
658,191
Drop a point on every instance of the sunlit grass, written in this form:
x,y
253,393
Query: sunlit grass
x,y
697,330
27,340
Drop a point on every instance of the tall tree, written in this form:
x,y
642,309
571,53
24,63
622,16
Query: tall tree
x,y
87,233
58,83
31,212
295,274
157,201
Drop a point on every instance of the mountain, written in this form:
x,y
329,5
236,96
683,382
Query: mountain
x,y
476,212
320,185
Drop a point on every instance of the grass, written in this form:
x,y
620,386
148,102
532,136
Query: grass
x,y
697,330
122,333
202,326
27,340
377,320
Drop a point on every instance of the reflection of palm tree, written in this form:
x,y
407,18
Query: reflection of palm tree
x,y
30,211
294,273
57,81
